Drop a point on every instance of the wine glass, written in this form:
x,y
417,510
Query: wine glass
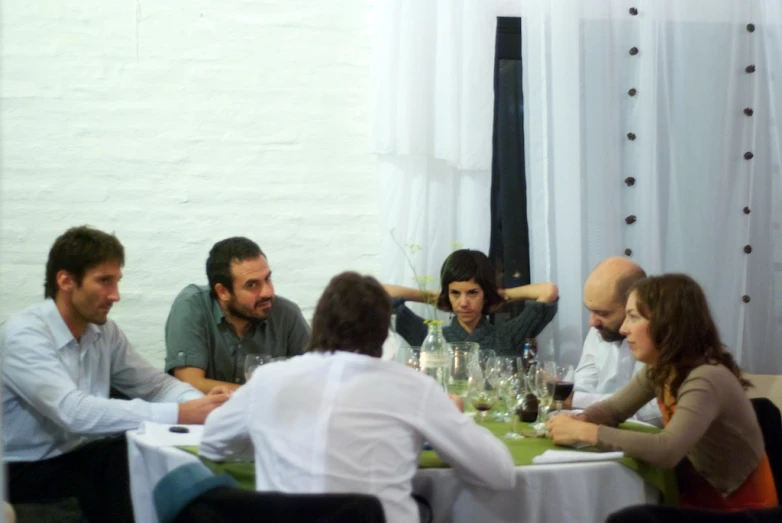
x,y
559,382
500,375
485,357
536,383
480,392
252,362
410,356
462,353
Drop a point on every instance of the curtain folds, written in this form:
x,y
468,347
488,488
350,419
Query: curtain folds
x,y
638,143
431,127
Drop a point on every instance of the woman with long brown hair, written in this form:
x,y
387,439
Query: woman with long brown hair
x,y
711,432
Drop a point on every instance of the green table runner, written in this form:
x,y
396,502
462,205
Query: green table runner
x,y
522,450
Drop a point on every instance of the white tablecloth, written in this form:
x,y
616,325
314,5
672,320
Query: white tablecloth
x,y
582,492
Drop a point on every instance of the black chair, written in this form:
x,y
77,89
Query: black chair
x,y
770,422
191,493
234,505
664,514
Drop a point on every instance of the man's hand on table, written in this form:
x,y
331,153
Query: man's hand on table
x,y
195,412
223,389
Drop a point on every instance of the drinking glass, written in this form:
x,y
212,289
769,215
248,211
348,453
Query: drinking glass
x,y
536,383
485,357
410,356
252,362
462,353
559,382
480,392
500,372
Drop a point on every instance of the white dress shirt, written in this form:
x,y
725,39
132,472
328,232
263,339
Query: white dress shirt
x,y
604,368
345,422
56,390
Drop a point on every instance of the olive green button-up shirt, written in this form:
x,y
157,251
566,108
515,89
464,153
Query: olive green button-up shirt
x,y
198,335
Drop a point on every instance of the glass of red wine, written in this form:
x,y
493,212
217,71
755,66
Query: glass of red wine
x,y
559,381
480,392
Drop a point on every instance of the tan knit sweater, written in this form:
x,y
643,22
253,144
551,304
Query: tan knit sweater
x,y
714,425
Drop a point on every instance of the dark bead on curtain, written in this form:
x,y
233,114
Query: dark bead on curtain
x,y
628,252
629,181
748,155
751,28
745,298
633,51
746,210
630,219
748,249
750,68
632,92
633,11
748,111
631,136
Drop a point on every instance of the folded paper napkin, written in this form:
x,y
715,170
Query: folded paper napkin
x,y
574,456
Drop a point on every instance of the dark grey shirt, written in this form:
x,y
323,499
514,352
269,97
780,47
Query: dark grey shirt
x,y
198,335
507,339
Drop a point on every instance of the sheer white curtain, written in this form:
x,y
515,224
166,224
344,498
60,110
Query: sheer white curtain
x,y
432,115
686,64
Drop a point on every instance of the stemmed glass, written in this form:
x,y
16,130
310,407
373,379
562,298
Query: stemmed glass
x,y
501,376
536,384
409,356
463,354
485,358
252,362
481,394
559,382
512,392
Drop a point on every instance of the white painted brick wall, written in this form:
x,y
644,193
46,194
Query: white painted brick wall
x,y
202,120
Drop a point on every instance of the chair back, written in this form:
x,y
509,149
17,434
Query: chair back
x,y
234,505
664,514
770,421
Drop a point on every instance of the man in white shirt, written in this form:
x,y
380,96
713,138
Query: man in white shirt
x,y
339,419
60,358
606,363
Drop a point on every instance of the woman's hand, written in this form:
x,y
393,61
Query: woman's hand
x,y
543,292
566,430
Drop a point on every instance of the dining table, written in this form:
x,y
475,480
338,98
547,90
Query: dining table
x,y
585,488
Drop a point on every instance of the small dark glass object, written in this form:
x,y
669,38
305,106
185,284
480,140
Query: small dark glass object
x,y
560,390
528,410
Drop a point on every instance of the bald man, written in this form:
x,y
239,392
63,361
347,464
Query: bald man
x,y
606,363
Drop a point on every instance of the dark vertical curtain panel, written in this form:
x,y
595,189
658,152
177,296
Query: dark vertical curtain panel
x,y
509,244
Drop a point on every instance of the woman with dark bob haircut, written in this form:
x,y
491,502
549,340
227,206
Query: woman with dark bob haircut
x,y
469,291
341,419
711,431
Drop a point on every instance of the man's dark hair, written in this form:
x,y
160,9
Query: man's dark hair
x,y
352,315
77,250
466,265
225,252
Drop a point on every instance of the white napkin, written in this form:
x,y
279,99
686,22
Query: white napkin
x,y
574,456
159,435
